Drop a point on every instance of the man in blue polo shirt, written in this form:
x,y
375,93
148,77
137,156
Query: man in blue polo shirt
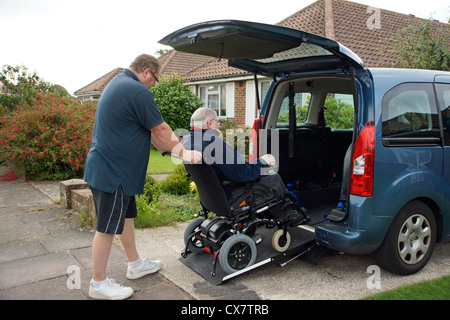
x,y
127,121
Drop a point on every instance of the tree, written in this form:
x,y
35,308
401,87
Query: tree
x,y
422,46
160,52
19,87
175,101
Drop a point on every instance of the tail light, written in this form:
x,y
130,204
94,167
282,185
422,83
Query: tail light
x,y
363,160
254,140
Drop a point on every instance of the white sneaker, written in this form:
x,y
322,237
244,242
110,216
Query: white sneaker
x,y
110,291
146,267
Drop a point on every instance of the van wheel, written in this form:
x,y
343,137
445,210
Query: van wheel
x,y
410,240
194,242
237,253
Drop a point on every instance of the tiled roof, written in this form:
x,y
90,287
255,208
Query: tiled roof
x,y
351,29
180,62
345,21
212,69
99,84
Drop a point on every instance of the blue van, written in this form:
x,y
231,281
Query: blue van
x,y
388,166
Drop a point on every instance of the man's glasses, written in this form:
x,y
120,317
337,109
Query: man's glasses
x,y
154,76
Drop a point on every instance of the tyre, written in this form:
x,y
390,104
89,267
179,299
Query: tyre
x,y
195,244
281,242
410,240
237,253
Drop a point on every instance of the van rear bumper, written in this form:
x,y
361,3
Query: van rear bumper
x,y
362,232
342,238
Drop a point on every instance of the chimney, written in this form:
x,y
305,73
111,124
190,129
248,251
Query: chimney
x,y
329,20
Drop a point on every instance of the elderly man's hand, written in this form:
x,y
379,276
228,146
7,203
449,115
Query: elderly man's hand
x,y
191,156
270,159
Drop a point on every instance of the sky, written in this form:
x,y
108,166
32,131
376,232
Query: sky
x,y
74,42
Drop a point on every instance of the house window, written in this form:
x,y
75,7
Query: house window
x,y
265,85
215,97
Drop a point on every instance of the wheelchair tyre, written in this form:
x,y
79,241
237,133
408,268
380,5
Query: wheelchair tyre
x,y
195,245
281,242
237,253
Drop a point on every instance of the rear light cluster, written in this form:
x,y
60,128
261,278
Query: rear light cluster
x,y
363,160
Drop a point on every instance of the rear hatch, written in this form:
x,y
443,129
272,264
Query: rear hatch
x,y
268,50
263,49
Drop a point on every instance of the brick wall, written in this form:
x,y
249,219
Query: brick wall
x,y
239,103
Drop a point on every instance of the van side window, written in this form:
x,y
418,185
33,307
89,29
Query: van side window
x,y
443,91
301,100
339,111
409,111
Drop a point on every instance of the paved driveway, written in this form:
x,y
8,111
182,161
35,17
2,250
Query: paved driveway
x,y
335,276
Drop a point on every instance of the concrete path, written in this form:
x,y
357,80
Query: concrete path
x,y
44,251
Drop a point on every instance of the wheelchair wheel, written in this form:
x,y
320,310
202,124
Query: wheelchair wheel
x,y
195,244
281,242
237,253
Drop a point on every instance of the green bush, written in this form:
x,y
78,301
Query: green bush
x,y
177,183
152,190
175,101
49,138
166,202
338,115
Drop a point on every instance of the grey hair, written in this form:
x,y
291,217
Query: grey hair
x,y
201,116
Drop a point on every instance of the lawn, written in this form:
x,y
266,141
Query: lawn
x,y
438,289
161,164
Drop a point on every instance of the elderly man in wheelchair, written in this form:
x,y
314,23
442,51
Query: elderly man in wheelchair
x,y
239,195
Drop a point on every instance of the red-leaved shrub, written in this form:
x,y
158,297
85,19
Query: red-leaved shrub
x,y
48,139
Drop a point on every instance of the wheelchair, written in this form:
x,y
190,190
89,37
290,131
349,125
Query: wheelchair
x,y
231,234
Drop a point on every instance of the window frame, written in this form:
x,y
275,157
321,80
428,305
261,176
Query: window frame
x,y
440,88
221,92
431,137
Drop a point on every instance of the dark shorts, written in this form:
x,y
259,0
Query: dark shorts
x,y
112,209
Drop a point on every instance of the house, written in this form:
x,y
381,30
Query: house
x,y
94,90
232,92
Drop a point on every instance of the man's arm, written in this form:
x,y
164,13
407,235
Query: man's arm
x,y
165,140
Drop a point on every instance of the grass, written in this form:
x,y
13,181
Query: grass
x,y
438,289
168,210
159,164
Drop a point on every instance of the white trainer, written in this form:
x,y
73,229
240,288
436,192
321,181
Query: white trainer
x,y
146,267
111,290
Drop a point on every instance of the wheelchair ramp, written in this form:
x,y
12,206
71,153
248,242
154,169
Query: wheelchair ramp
x,y
303,245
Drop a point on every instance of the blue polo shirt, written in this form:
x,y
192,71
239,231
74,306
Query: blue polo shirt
x,y
121,139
